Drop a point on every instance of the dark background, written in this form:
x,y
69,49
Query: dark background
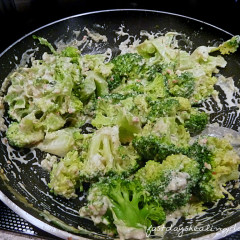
x,y
18,17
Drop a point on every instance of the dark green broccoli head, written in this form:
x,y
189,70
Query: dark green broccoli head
x,y
182,85
154,148
131,204
125,67
196,123
163,108
172,181
201,154
219,164
150,72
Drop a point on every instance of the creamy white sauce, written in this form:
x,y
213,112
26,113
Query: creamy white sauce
x,y
24,188
178,181
48,161
229,89
95,36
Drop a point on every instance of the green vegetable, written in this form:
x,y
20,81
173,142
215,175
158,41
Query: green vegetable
x,y
131,207
164,108
220,168
108,114
229,46
182,85
154,148
106,156
45,42
64,177
20,137
59,142
171,181
125,67
124,126
196,123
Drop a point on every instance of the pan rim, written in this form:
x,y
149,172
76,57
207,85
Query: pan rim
x,y
37,222
113,10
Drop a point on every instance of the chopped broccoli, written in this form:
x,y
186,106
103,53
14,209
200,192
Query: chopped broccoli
x,y
229,46
131,207
201,154
157,88
21,137
107,156
119,114
150,72
65,175
221,168
178,107
172,181
59,142
146,49
196,123
125,67
154,148
131,88
182,85
138,156
53,122
167,107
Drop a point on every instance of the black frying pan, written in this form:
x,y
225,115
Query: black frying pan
x,y
23,182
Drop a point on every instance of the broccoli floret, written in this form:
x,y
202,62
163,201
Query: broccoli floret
x,y
132,209
201,154
124,114
150,72
157,88
172,181
107,156
64,177
221,168
230,46
196,123
20,136
182,85
169,130
146,49
131,88
92,83
161,139
125,67
167,107
60,142
154,148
